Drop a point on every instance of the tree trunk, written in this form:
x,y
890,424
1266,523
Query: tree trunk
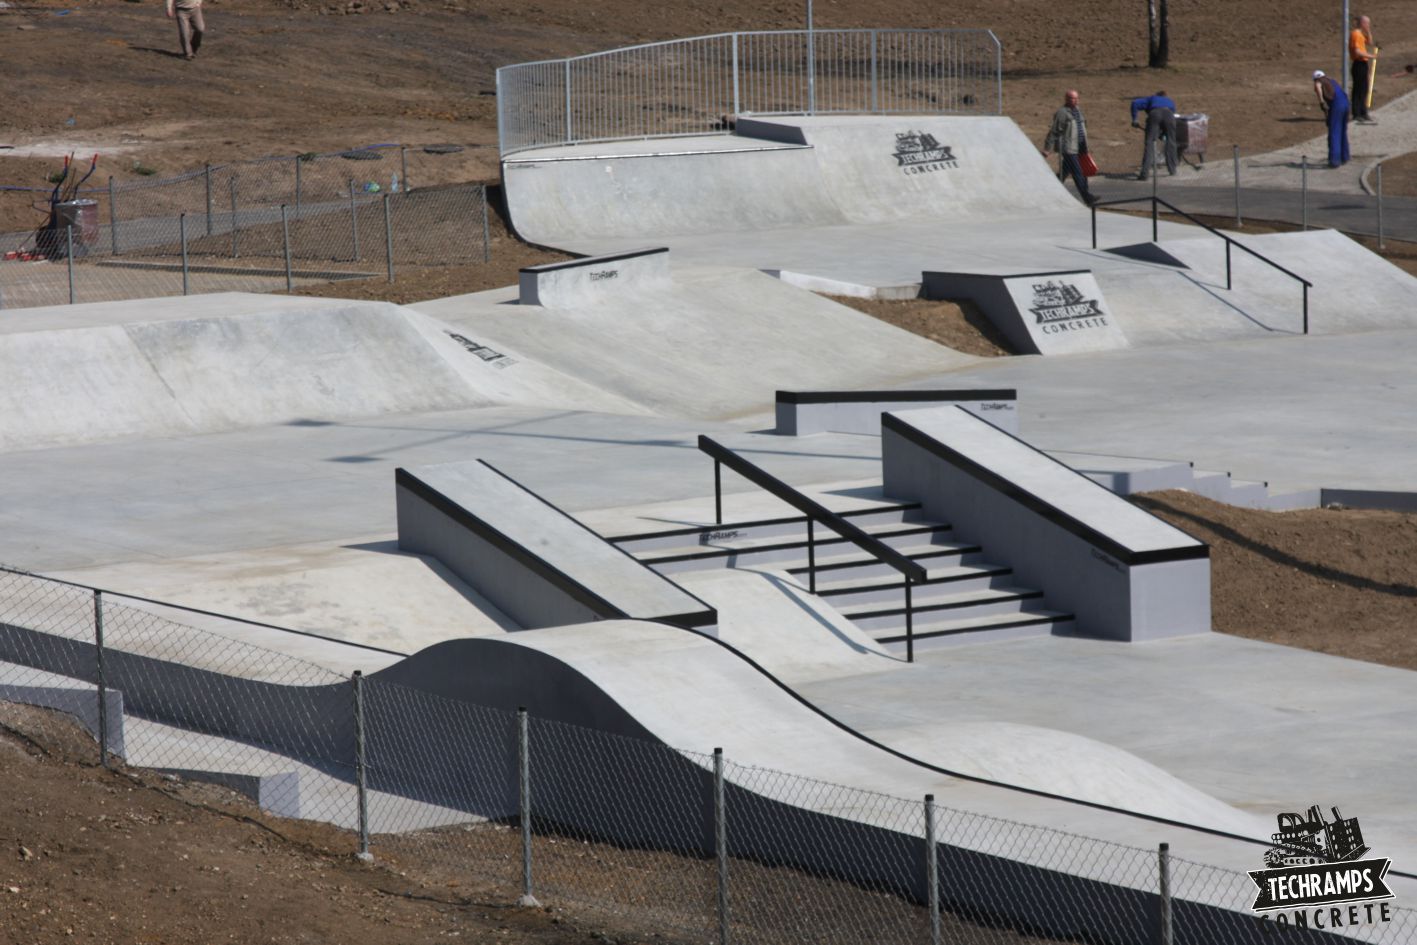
x,y
1161,47
1151,32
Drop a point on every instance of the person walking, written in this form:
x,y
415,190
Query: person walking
x,y
1068,136
1363,53
190,26
1334,103
1160,124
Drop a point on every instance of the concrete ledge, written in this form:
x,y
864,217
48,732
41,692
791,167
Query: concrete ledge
x,y
582,281
802,413
81,703
1370,499
1124,573
537,564
277,794
1060,312
851,290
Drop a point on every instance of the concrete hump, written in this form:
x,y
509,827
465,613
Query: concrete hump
x,y
783,172
1039,312
593,278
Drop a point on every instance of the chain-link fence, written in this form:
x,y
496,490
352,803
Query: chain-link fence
x,y
686,846
260,226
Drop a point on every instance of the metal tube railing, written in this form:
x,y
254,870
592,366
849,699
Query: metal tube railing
x,y
689,86
1229,282
815,512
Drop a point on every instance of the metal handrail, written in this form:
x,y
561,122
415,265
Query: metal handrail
x,y
815,512
1229,241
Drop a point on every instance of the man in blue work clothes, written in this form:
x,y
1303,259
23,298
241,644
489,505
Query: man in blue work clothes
x,y
1334,102
1160,123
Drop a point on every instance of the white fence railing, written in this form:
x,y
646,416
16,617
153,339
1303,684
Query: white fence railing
x,y
693,86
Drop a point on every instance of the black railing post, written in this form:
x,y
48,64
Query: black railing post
x,y
1153,218
1306,308
717,492
811,554
1228,280
909,623
1094,225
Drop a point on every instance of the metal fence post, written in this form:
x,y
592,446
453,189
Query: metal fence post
x,y
69,258
1238,221
102,684
524,804
353,221
388,238
182,238
235,220
736,101
486,228
298,185
1163,865
112,216
1380,206
1304,191
403,164
720,842
567,73
932,870
875,76
285,237
208,169
360,767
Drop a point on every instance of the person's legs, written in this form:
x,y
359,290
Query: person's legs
x,y
1148,153
184,32
1337,135
1168,131
1359,98
1072,167
199,28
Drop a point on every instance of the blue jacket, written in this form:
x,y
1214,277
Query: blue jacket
x,y
1148,102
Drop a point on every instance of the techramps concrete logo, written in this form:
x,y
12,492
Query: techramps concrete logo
x,y
1317,876
918,152
1061,306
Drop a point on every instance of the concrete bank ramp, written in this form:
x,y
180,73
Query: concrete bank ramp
x,y
680,688
179,366
1354,289
713,344
784,172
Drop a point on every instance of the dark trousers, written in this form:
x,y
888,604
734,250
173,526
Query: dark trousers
x,y
1160,123
1337,134
1071,166
1362,85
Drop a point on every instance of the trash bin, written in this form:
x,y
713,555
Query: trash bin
x,y
1193,134
82,215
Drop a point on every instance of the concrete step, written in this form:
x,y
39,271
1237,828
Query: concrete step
x,y
699,535
858,564
963,606
906,537
991,628
943,581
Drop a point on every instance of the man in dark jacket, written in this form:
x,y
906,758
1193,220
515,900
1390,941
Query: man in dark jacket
x,y
1068,136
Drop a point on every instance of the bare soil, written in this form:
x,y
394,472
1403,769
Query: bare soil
x,y
958,325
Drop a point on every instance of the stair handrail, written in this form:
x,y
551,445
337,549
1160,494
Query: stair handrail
x,y
815,512
1229,241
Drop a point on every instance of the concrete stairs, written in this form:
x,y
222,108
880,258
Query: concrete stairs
x,y
1126,475
964,599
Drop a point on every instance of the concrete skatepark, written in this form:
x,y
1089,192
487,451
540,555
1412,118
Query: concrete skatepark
x,y
238,454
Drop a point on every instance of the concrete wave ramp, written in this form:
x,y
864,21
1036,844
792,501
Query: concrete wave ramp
x,y
179,366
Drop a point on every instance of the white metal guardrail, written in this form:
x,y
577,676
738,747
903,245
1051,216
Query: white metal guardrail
x,y
691,86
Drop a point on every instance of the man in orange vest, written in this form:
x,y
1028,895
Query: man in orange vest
x,y
1364,55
